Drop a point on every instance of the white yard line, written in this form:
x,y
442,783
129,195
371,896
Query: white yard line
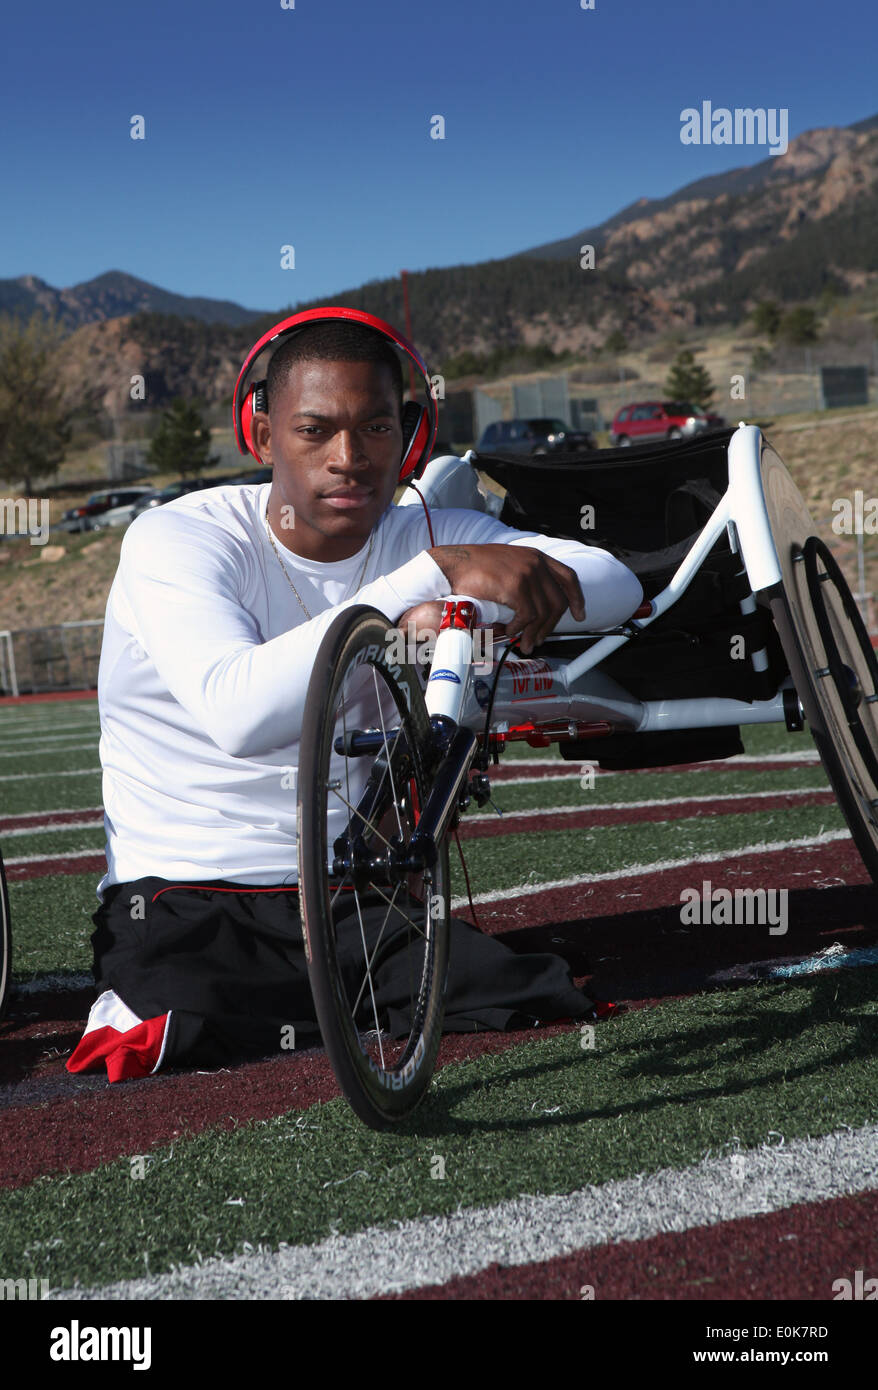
x,y
36,737
55,811
807,755
53,858
37,776
49,752
529,1230
523,890
36,727
634,805
528,889
47,829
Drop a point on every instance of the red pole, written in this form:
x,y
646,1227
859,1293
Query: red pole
x,y
408,328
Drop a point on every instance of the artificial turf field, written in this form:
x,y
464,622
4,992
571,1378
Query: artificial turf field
x,y
716,1138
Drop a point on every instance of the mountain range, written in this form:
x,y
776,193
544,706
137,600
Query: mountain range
x,y
788,227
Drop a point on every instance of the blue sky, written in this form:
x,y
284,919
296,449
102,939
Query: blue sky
x,y
267,126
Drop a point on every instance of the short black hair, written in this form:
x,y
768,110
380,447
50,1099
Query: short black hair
x,y
333,340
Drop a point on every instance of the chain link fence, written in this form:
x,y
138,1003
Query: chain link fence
x,y
592,404
38,660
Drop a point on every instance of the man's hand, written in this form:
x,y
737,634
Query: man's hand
x,y
426,618
537,587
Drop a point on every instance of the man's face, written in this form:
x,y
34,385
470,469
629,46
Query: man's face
x,y
334,439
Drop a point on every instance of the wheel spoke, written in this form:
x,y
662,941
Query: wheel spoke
x,y
371,989
365,820
391,943
389,760
370,961
411,921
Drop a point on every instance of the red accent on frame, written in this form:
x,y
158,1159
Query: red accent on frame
x,y
458,614
561,731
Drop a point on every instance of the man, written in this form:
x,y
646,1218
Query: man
x,y
218,607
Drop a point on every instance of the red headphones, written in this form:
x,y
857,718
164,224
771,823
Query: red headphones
x,y
419,424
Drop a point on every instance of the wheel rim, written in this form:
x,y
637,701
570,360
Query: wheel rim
x,y
850,663
824,700
376,933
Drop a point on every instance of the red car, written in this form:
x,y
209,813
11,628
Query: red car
x,y
645,421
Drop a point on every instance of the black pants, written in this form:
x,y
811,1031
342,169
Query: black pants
x,y
228,961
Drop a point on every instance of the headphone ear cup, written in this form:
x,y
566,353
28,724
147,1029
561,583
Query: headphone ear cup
x,y
255,399
260,395
416,431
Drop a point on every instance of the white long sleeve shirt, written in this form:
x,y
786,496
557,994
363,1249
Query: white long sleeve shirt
x,y
205,665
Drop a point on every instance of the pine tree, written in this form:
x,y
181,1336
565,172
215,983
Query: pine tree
x,y
800,325
34,418
689,381
766,317
181,442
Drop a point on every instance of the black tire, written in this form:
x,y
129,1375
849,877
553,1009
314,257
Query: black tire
x,y
853,667
835,673
675,433
373,800
623,442
5,942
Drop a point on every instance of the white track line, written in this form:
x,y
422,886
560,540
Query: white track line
x,y
501,783
50,752
528,1230
527,890
804,756
55,811
680,800
52,858
8,726
520,889
59,826
36,736
41,776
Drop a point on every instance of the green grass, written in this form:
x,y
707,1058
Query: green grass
x,y
50,792
542,856
642,786
662,1088
52,916
51,924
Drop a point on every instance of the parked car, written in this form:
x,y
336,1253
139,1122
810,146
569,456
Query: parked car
x,y
651,420
158,496
110,507
536,436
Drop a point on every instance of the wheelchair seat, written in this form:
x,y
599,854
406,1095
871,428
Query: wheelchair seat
x,y
647,505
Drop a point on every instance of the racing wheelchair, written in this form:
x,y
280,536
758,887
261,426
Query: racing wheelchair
x,y
725,550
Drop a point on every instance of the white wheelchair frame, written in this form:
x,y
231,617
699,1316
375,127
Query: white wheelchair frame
x,y
742,511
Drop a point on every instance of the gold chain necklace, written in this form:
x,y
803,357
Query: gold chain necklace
x,y
286,572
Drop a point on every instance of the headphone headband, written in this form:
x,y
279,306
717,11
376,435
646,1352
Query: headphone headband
x,y
419,431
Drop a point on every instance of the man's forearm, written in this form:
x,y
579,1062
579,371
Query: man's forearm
x,y
610,590
449,558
